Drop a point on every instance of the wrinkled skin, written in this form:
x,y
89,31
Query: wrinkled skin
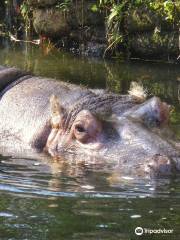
x,y
78,124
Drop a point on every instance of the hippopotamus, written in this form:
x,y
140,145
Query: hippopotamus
x,y
73,122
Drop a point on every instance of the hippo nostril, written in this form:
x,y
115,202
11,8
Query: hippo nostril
x,y
158,123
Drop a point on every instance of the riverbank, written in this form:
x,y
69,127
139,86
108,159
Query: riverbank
x,y
148,30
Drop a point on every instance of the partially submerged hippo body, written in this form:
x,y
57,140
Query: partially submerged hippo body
x,y
70,121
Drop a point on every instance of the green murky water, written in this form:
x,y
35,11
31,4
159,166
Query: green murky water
x,y
51,200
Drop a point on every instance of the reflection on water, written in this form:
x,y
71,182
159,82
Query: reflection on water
x,y
51,200
45,199
159,79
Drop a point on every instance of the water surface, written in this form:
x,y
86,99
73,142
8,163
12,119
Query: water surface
x,y
45,199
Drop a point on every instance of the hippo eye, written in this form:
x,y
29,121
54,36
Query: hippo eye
x,y
80,128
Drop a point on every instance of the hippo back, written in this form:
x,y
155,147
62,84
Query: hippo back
x,y
24,106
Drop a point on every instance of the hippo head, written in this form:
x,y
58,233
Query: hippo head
x,y
84,132
132,137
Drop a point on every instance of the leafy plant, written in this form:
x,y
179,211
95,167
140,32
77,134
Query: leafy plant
x,y
118,10
26,14
164,8
114,20
64,6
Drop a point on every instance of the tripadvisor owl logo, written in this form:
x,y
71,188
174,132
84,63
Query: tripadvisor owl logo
x,y
139,231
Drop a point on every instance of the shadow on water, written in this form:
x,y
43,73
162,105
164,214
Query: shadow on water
x,y
45,199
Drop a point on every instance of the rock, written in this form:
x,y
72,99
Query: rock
x,y
86,16
42,3
51,22
143,19
157,45
93,49
78,23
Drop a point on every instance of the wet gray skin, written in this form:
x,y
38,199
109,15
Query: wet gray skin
x,y
78,124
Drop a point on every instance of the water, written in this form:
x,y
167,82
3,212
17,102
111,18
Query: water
x,y
45,199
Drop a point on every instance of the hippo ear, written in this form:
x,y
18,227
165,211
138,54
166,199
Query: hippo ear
x,y
57,112
137,92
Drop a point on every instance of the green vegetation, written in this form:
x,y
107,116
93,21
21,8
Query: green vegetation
x,y
64,6
125,28
26,12
118,12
